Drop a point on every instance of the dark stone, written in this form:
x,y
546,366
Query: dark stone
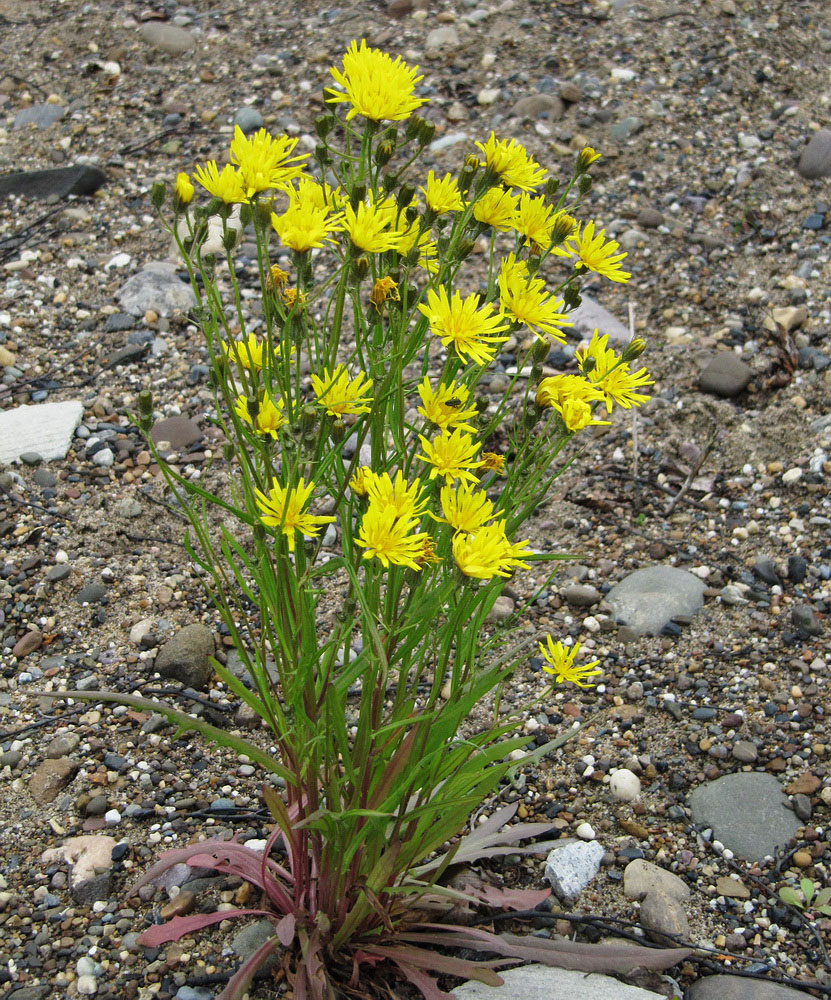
x,y
93,889
42,115
804,618
797,569
179,432
59,572
93,593
725,375
58,183
118,322
126,355
816,157
187,657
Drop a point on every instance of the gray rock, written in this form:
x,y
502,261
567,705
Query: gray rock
x,y
45,428
249,939
745,751
740,988
62,745
235,665
30,993
128,508
661,914
725,375
45,478
91,890
590,316
445,37
58,183
569,869
816,157
536,105
179,432
642,877
93,593
650,218
58,573
126,355
42,115
648,598
747,812
805,619
157,286
541,982
581,595
186,657
625,128
248,119
30,458
167,37
194,993
765,568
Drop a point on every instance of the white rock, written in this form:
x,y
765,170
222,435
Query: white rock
x,y
569,869
87,986
88,856
488,95
540,982
119,260
585,831
625,785
140,630
112,817
792,475
45,428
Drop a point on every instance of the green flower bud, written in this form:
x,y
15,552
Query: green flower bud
x,y
426,133
464,249
383,154
338,431
466,175
360,268
571,298
405,195
308,418
229,239
145,403
323,126
262,212
228,451
259,532
413,127
388,182
634,349
357,196
157,195
551,187
588,365
542,348
585,184
322,155
252,404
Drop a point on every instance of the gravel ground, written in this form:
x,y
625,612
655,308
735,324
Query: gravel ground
x,y
702,111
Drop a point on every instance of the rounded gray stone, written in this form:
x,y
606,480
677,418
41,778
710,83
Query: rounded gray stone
x,y
541,982
725,375
248,119
747,812
816,157
157,286
740,988
186,657
648,598
167,37
536,105
640,878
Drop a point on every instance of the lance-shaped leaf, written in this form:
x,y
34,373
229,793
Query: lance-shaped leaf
x,y
178,927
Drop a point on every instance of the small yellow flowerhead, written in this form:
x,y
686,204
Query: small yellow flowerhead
x,y
341,395
524,300
277,278
446,406
443,195
559,661
471,331
184,188
361,478
404,498
226,185
269,417
305,224
487,552
594,253
465,508
377,87
383,290
371,226
264,161
510,163
497,208
493,462
247,353
391,538
556,388
452,455
577,414
585,158
294,297
283,509
534,220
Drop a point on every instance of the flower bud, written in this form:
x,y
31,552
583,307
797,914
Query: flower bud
x,y
184,190
145,403
551,187
413,127
383,154
405,195
323,126
228,451
357,196
391,134
360,267
308,418
229,239
464,249
585,158
426,133
466,175
338,431
542,348
263,210
571,298
157,195
322,155
252,404
388,182
588,365
634,349
585,184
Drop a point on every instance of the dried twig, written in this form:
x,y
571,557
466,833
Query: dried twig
x,y
705,451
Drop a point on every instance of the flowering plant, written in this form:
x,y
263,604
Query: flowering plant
x,y
374,510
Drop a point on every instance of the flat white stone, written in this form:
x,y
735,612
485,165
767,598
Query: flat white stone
x,y
45,428
541,982
590,315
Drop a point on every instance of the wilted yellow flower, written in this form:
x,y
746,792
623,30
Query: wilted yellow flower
x,y
383,290
248,353
534,220
404,498
594,253
493,462
465,508
340,394
510,162
452,455
227,185
277,278
269,418
184,188
442,195
305,224
391,539
265,161
524,300
459,322
377,87
562,226
293,297
559,660
488,553
361,478
497,207
283,509
446,405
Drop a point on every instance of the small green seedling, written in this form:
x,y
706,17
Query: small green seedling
x,y
807,897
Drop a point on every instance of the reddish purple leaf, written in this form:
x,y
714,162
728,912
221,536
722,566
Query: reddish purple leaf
x,y
511,899
178,927
428,987
285,929
240,981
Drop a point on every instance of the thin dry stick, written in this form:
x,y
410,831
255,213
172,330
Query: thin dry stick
x,y
634,408
702,458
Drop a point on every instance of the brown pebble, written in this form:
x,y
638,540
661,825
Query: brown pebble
x,y
27,644
803,859
805,784
179,906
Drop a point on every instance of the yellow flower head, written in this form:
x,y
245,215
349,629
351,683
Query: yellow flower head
x,y
594,253
293,297
265,162
361,478
534,220
559,660
377,87
184,188
446,406
443,195
247,353
487,552
371,226
510,162
459,322
227,185
451,455
269,419
598,359
390,538
383,290
340,394
427,249
283,509
497,207
305,224
577,414
585,158
524,300
493,462
277,278
465,508
555,389
611,375
403,497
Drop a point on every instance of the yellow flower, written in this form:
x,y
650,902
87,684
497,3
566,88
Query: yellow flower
x,y
428,249
577,414
493,462
562,226
611,375
598,359
496,208
248,353
390,538
402,497
361,478
304,224
226,185
371,226
446,405
585,158
442,195
534,220
593,253
184,188
269,418
451,455
559,660
340,394
524,300
264,161
510,162
277,278
460,323
487,552
556,388
321,195
293,297
376,86
283,509
383,290
466,509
